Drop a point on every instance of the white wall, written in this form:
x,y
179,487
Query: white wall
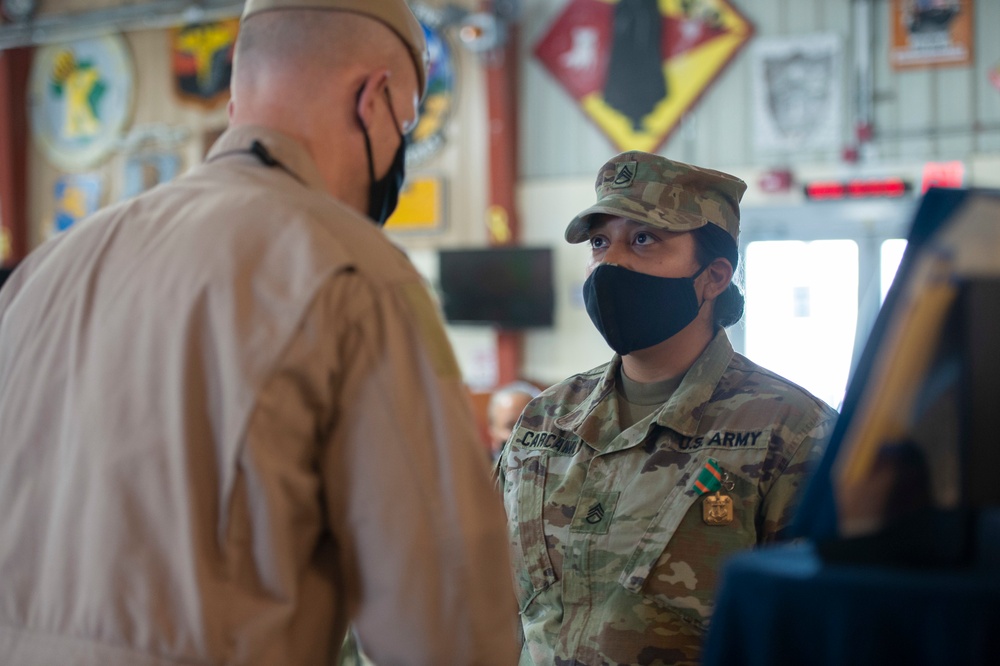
x,y
574,345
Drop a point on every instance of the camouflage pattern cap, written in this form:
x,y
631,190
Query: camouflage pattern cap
x,y
393,13
662,193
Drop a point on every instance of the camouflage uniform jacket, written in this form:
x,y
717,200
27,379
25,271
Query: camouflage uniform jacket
x,y
613,561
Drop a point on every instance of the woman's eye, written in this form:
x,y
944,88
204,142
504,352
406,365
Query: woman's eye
x,y
643,238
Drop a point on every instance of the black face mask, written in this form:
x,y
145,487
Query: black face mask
x,y
635,310
383,193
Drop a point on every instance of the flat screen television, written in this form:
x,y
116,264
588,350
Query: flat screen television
x,y
508,287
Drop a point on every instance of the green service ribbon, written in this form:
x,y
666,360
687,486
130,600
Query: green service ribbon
x,y
709,478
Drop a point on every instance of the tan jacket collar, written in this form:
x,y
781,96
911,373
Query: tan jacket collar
x,y
291,154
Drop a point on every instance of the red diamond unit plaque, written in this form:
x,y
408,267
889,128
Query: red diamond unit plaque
x,y
637,66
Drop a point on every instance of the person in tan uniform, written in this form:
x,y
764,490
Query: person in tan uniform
x,y
230,422
628,485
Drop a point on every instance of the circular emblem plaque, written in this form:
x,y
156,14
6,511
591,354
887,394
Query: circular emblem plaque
x,y
427,137
80,98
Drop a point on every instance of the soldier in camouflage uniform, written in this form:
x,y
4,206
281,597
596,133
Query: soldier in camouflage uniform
x,y
627,486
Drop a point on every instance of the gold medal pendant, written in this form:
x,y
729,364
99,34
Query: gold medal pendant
x,y
717,509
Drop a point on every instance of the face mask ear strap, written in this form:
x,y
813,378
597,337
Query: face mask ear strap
x,y
392,113
368,142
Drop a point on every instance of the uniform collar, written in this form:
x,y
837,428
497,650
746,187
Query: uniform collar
x,y
292,155
588,419
681,413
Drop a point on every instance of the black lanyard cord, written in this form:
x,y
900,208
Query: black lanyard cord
x,y
258,150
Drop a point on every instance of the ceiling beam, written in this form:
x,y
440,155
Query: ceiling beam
x,y
55,28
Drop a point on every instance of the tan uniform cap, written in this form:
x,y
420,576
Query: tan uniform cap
x,y
393,13
662,193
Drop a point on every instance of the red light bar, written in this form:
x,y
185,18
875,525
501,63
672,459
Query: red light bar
x,y
856,189
826,190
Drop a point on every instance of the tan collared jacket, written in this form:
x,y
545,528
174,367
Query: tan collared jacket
x,y
230,424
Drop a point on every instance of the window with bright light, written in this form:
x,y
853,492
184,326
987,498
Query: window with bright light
x,y
802,311
892,254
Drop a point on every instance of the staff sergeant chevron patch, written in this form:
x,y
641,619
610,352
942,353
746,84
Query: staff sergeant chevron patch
x,y
624,174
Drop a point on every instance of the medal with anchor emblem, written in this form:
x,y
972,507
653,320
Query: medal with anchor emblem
x,y
716,508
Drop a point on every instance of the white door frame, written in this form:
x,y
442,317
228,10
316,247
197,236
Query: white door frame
x,y
867,222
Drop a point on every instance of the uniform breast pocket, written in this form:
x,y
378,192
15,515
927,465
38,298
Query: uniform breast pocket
x,y
524,494
697,532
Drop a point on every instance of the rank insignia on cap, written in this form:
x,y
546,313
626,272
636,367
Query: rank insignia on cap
x,y
624,174
709,478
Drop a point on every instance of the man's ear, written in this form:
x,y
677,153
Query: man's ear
x,y
718,275
370,95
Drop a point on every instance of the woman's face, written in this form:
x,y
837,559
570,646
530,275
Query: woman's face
x,y
641,248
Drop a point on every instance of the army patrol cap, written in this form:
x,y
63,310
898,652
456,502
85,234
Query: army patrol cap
x,y
662,193
393,13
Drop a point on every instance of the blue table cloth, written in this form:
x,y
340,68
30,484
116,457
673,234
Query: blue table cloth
x,y
784,605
